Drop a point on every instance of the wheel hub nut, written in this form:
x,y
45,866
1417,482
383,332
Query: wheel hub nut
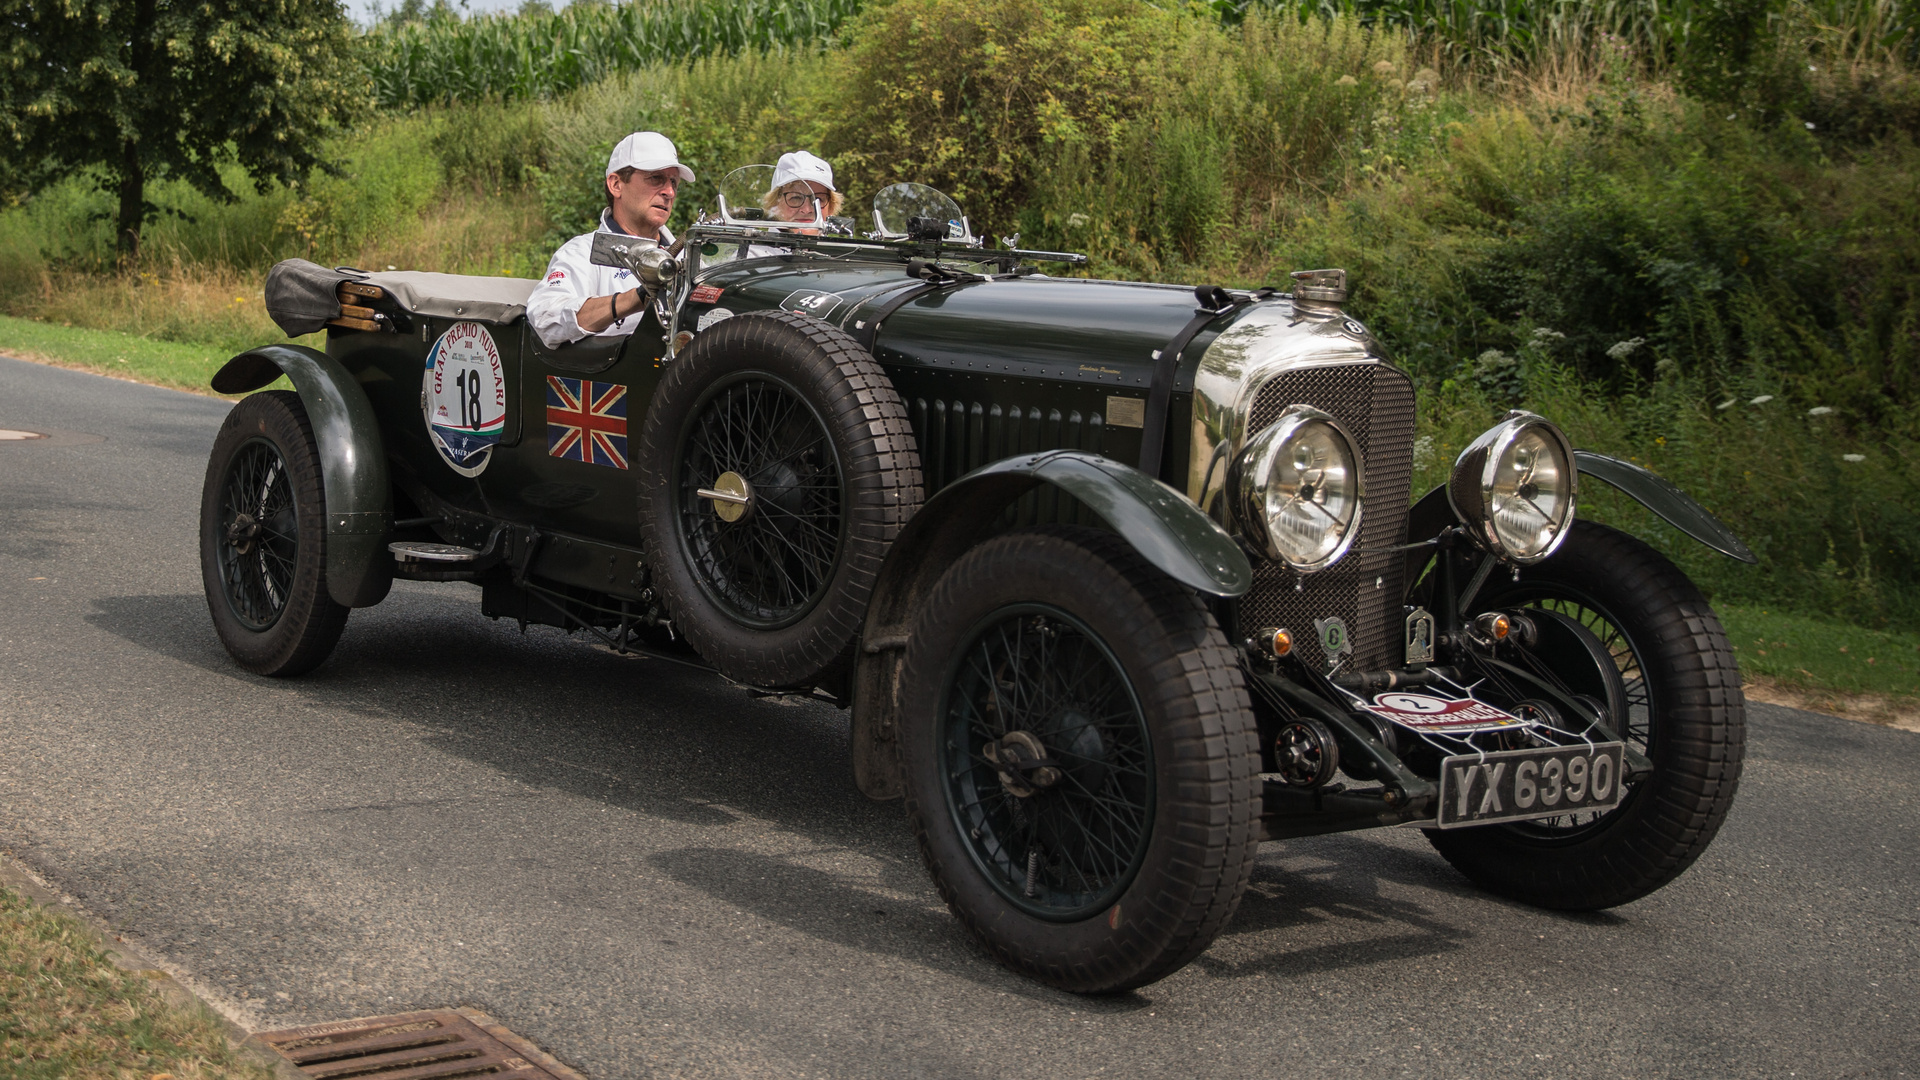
x,y
1023,763
731,494
243,532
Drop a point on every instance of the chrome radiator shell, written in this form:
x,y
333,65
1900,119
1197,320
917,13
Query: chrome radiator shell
x,y
1275,356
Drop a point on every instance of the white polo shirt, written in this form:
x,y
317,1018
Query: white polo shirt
x,y
553,308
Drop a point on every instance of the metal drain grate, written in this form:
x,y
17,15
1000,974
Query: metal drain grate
x,y
442,1045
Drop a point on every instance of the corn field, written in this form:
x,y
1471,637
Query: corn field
x,y
446,58
1654,29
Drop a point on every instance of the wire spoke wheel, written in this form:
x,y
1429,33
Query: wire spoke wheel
x,y
772,564
1079,758
260,545
1047,762
803,449
1621,624
263,539
1635,726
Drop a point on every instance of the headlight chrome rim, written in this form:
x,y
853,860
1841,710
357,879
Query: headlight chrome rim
x,y
1255,466
1471,487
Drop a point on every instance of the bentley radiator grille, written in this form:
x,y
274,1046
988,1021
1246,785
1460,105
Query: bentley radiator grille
x,y
1375,404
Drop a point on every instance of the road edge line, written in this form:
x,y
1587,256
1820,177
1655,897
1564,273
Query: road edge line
x,y
16,875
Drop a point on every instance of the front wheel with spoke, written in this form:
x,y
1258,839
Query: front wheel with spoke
x,y
1623,628
1081,760
263,539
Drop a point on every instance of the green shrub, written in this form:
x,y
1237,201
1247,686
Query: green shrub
x,y
1832,510
387,177
69,227
720,113
491,146
978,97
1239,128
1717,246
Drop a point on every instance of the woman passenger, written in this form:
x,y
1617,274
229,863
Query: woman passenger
x,y
799,181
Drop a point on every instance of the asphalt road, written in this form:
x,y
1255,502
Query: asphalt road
x,y
651,874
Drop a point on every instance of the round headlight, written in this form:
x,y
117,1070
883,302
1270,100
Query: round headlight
x,y
1300,489
1514,487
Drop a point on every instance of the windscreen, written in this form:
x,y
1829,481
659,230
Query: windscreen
x,y
895,208
740,194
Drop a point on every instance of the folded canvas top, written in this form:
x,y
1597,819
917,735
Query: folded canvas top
x,y
302,296
457,296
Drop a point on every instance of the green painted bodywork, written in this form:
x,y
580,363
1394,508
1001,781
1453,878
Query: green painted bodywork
x,y
990,369
521,483
353,462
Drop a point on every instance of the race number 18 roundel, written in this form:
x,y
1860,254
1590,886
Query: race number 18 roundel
x,y
464,396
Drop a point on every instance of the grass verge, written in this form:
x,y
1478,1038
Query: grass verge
x,y
119,354
1830,667
66,1011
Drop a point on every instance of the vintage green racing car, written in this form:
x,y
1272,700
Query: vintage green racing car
x,y
1118,580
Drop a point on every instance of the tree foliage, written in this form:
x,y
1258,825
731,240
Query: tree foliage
x,y
137,90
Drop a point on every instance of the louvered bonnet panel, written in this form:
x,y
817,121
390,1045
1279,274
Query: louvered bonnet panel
x,y
1375,404
957,436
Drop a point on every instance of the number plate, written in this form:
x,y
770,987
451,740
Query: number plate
x,y
1518,785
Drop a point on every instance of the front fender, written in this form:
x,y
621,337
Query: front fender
x,y
1660,495
353,462
1166,529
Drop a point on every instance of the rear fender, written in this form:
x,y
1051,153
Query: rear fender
x,y
1166,529
353,462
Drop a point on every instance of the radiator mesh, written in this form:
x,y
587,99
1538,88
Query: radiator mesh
x,y
1375,404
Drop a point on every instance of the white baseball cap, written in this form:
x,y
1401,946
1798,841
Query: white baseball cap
x,y
801,165
648,151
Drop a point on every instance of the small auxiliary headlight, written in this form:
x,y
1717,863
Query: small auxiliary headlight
x,y
1514,488
1300,485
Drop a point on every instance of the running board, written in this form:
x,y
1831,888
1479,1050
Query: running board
x,y
419,560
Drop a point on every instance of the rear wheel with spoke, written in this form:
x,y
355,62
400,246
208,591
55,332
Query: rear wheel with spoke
x,y
1081,762
263,539
1624,628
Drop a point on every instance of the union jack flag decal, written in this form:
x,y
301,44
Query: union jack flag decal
x,y
587,421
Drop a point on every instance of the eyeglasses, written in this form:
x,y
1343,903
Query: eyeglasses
x,y
799,200
669,179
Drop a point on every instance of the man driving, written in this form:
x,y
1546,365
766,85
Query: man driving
x,y
578,299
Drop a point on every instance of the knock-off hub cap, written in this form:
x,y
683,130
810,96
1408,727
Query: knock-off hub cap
x,y
1023,764
243,532
731,494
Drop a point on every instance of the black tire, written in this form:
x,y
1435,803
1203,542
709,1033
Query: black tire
x,y
1126,863
263,539
804,414
1685,711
